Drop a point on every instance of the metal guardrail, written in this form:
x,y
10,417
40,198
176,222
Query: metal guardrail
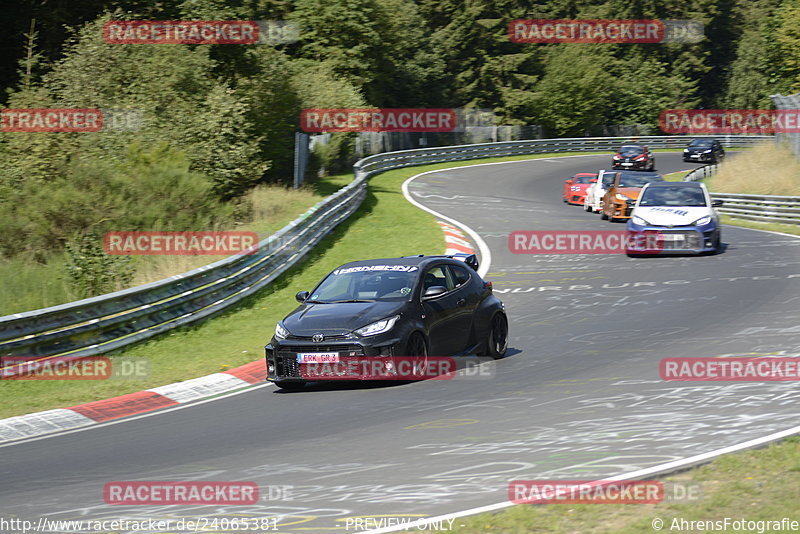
x,y
106,323
765,208
701,172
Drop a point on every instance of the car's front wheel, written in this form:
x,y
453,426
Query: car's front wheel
x,y
290,385
497,340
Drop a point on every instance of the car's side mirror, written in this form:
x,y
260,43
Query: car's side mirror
x,y
567,182
434,291
301,296
716,203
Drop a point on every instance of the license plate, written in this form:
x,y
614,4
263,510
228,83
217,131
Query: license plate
x,y
627,164
695,155
318,357
674,237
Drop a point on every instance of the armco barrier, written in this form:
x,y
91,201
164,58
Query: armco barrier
x,y
765,208
102,324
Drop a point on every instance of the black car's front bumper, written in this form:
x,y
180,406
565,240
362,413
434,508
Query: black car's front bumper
x,y
282,355
630,165
701,157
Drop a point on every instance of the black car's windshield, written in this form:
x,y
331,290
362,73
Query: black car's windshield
x,y
628,151
368,283
637,179
673,196
701,142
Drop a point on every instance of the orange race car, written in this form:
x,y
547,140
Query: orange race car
x,y
620,198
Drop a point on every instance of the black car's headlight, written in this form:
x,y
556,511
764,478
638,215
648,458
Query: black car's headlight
x,y
707,151
280,331
616,157
378,327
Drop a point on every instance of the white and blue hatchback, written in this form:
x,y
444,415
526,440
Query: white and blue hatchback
x,y
682,214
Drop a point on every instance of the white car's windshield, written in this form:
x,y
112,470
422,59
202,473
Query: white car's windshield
x,y
669,196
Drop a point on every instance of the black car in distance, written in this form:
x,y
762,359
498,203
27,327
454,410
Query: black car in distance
x,y
704,150
412,306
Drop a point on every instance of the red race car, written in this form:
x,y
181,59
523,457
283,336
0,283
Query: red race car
x,y
575,187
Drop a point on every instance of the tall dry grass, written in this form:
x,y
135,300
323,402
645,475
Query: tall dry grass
x,y
268,208
767,169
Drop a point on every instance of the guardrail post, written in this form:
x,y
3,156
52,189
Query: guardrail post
x,y
300,157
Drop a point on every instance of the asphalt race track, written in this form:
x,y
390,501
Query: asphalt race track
x,y
578,395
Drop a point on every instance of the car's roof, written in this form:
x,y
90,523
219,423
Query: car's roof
x,y
405,260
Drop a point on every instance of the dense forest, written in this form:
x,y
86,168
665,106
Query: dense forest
x,y
219,119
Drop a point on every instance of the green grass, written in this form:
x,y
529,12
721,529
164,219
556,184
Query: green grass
x,y
793,229
752,485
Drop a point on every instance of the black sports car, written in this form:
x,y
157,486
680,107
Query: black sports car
x,y
413,306
705,150
634,157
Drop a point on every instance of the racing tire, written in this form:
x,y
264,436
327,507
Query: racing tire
x,y
290,385
416,346
603,216
587,207
496,337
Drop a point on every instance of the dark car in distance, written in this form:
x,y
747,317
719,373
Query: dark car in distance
x,y
412,306
704,150
634,157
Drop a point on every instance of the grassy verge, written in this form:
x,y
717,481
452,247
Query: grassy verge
x,y
756,485
767,169
380,228
772,227
39,285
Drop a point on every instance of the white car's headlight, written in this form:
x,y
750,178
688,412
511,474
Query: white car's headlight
x,y
378,327
280,331
702,221
622,197
638,220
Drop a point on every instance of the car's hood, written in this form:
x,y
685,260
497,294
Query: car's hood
x,y
630,192
699,149
338,318
672,215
